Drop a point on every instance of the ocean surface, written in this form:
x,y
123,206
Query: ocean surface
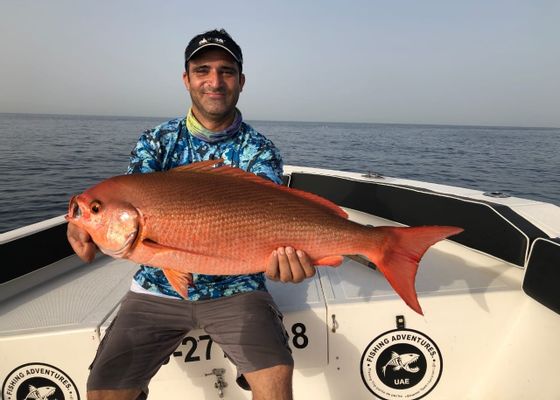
x,y
45,159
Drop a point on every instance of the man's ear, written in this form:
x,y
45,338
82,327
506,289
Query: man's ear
x,y
241,81
186,81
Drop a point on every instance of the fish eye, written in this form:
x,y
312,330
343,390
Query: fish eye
x,y
95,207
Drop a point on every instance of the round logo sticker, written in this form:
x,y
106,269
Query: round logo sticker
x,y
401,364
39,381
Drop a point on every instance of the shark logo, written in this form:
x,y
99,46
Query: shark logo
x,y
41,393
402,362
38,381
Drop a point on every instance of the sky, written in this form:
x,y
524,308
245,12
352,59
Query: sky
x,y
479,62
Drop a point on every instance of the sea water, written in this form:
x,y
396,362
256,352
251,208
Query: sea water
x,y
45,159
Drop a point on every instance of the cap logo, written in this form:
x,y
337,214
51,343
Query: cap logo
x,y
216,40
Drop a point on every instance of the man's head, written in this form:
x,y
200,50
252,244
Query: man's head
x,y
213,77
215,38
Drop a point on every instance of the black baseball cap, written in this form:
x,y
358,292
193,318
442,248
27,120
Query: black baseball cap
x,y
218,38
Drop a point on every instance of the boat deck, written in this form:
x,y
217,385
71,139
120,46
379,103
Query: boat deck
x,y
331,319
482,336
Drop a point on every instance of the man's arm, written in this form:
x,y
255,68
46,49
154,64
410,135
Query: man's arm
x,y
147,154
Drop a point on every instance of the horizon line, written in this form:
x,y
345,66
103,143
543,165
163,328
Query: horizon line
x,y
474,125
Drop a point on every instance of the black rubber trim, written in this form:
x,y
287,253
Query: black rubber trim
x,y
29,253
491,228
543,273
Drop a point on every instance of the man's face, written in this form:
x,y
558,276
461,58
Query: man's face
x,y
214,83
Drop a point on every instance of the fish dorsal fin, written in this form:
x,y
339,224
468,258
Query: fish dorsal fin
x,y
394,355
215,167
326,204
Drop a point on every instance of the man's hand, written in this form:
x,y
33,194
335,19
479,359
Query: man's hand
x,y
289,265
81,242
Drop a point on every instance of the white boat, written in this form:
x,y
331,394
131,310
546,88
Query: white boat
x,y
491,328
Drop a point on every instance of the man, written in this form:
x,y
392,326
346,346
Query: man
x,y
153,318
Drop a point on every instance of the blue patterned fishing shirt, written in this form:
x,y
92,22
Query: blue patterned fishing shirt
x,y
170,145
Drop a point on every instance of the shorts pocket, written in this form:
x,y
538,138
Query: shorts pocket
x,y
283,336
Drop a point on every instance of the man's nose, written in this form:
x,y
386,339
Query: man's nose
x,y
215,79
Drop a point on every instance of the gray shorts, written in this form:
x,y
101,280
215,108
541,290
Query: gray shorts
x,y
148,329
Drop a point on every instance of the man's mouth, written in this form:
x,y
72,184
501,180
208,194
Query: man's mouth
x,y
215,94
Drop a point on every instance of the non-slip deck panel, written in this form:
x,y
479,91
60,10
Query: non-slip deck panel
x,y
542,276
491,228
29,253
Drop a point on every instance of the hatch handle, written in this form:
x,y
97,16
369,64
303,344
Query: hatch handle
x,y
220,383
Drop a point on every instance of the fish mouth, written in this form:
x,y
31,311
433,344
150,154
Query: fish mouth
x,y
74,210
409,366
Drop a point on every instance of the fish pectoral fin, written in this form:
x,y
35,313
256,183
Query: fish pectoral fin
x,y
170,257
172,262
155,246
161,250
182,261
333,261
180,281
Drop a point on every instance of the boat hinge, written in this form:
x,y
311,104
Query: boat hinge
x,y
496,194
373,175
400,321
334,326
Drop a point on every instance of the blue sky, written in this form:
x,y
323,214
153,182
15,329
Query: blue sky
x,y
441,62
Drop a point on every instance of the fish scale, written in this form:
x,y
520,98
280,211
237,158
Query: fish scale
x,y
224,221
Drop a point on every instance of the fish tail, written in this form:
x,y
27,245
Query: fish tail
x,y
401,251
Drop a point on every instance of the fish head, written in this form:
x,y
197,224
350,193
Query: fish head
x,y
112,223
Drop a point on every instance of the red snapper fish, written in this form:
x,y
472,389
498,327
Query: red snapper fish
x,y
215,219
